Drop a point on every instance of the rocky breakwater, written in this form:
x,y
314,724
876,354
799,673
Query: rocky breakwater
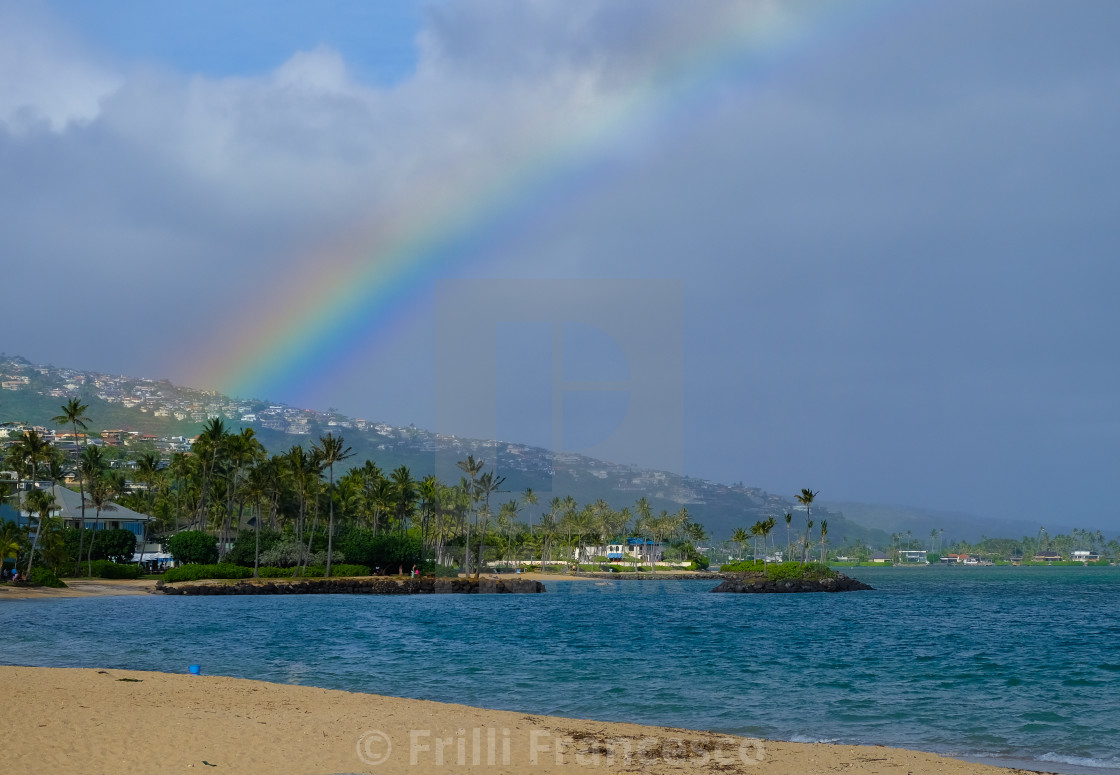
x,y
352,586
840,583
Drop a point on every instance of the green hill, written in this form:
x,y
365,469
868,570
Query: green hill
x,y
165,410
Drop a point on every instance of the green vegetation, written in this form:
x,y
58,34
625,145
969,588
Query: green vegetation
x,y
743,566
193,546
810,571
104,569
391,552
227,570
780,571
44,577
115,545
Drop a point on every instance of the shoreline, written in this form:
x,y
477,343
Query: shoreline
x,y
88,587
76,720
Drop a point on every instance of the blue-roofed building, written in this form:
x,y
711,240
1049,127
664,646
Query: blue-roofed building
x,y
630,550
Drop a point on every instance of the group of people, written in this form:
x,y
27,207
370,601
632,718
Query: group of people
x,y
14,575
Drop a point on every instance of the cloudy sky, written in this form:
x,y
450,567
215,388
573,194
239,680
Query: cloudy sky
x,y
865,247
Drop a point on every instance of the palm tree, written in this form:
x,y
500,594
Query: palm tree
x,y
756,531
330,450
738,537
35,450
662,526
487,485
208,446
529,498
263,483
241,451
74,413
405,494
147,471
428,492
806,499
547,532
789,550
100,496
11,541
471,468
39,502
824,536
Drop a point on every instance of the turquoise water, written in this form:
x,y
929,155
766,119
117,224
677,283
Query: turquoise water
x,y
995,664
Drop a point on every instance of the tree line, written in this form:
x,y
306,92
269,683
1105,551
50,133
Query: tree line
x,y
300,502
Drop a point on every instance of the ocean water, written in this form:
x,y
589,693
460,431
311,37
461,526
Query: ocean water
x,y
1003,665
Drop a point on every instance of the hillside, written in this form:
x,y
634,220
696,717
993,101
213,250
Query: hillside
x,y
957,526
33,394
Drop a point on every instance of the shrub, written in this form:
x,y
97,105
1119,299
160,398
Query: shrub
x,y
228,570
272,572
224,570
44,577
346,569
743,566
117,544
810,571
193,546
245,545
315,571
103,569
382,550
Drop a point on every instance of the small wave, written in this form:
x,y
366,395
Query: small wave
x,y
1109,667
808,739
1044,715
1079,761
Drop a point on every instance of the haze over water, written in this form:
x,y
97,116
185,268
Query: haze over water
x,y
1011,665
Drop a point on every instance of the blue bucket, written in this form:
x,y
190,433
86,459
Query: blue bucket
x,y
195,669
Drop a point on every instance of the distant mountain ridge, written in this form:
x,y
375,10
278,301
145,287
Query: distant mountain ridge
x,y
161,410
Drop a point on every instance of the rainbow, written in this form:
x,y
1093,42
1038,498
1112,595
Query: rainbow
x,y
365,283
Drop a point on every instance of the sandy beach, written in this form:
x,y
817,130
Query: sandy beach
x,y
62,720
79,588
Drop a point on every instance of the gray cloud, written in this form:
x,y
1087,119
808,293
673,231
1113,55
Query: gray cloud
x,y
898,251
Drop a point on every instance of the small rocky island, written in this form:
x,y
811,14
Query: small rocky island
x,y
356,586
841,583
787,577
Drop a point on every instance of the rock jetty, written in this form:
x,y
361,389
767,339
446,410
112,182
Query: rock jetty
x,y
841,583
363,586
